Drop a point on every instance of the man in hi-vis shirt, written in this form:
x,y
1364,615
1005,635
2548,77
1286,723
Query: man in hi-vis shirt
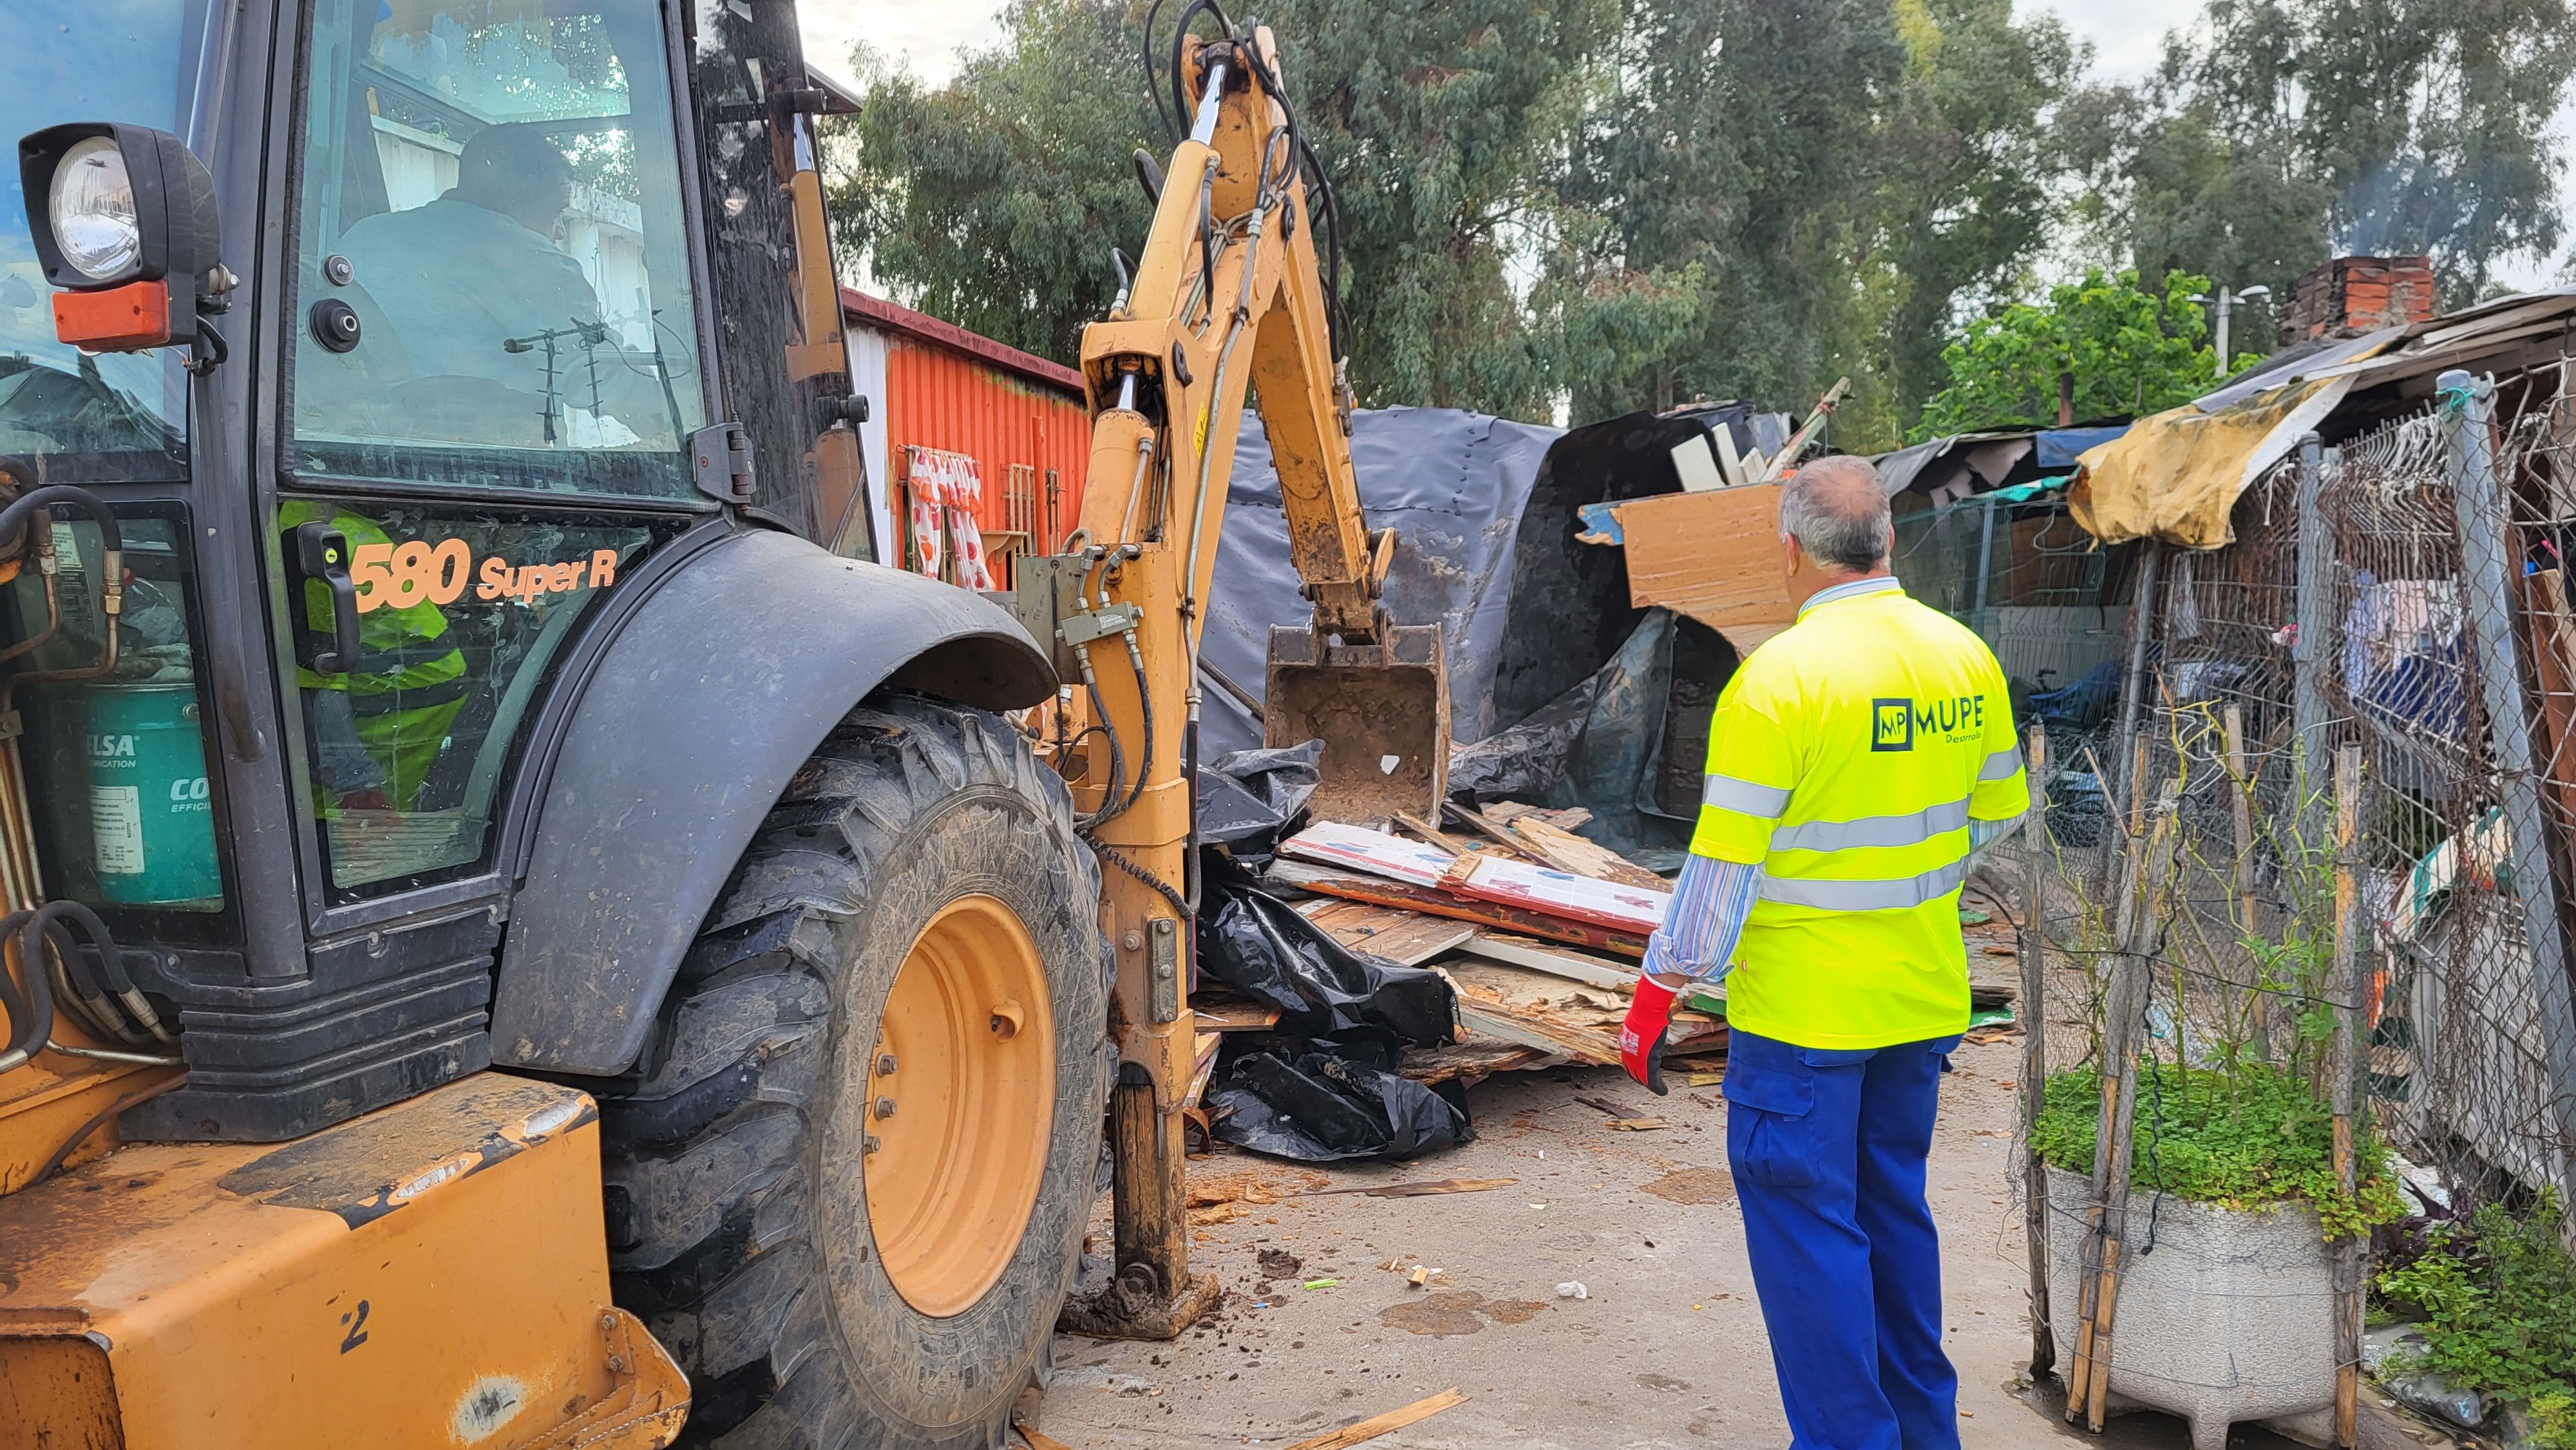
x,y
1855,760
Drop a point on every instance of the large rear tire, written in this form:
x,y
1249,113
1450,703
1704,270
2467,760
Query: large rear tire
x,y
848,1187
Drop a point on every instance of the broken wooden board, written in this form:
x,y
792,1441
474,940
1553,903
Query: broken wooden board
x,y
1559,893
1333,844
1406,938
1569,852
1537,1010
1474,1057
1232,1014
1570,818
1713,556
1388,1423
1207,1044
1574,966
1326,881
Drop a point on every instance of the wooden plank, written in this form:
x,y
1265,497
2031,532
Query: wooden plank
x,y
1406,938
1327,882
1355,848
1376,1425
1037,1441
1473,1057
1712,556
1232,1015
2347,984
1560,893
1422,828
1569,852
1597,1049
1592,971
1205,1067
2034,1069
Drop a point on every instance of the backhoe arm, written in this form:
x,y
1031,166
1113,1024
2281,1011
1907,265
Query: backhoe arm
x,y
1227,298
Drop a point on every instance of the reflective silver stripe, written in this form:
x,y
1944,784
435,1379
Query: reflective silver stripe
x,y
1906,830
2002,765
1744,797
1893,895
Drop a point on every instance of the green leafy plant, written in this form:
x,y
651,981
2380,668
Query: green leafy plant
x,y
2244,1138
2131,351
2498,1296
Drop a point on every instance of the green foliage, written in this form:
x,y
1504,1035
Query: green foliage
x,y
2498,1295
1604,205
2278,132
2241,1139
2132,351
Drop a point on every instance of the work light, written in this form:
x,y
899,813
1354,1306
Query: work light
x,y
128,231
92,211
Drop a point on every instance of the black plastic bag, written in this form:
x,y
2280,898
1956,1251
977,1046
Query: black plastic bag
x,y
1250,798
1258,944
1322,1108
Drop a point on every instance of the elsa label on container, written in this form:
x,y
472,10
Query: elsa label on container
x,y
116,826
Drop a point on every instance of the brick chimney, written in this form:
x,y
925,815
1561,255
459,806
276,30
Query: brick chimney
x,y
2353,295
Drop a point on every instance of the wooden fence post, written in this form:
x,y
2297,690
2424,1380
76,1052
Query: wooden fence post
x,y
2345,988
2034,1050
2114,1140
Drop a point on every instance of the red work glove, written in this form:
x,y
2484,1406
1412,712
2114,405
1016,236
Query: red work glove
x,y
1641,1037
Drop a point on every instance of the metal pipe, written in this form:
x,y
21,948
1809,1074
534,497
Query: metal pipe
x,y
2142,622
2481,504
1211,100
2307,647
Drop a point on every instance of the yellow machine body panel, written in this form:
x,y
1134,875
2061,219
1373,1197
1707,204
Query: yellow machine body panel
x,y
431,1274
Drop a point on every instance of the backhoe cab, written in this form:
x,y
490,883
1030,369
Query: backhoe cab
x,y
516,932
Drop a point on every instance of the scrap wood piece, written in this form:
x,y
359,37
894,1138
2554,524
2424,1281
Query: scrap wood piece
x,y
1375,852
1474,1059
1406,938
1376,1425
1205,1066
1426,831
1713,556
1556,961
1527,922
1418,1188
1593,1048
1561,893
1038,1441
1568,818
1637,1125
1232,1014
1570,852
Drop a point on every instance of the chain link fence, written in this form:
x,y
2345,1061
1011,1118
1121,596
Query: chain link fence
x,y
2403,594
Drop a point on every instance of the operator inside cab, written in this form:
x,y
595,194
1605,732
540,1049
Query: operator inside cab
x,y
494,315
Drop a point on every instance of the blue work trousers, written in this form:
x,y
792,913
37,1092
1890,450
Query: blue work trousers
x,y
1828,1149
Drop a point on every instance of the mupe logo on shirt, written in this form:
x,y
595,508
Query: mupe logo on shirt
x,y
1893,723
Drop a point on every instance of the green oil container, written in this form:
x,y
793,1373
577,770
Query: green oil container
x,y
152,820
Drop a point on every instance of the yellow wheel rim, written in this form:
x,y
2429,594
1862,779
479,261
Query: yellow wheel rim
x,y
960,1105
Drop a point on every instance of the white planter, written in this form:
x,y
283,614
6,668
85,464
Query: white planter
x,y
2230,1318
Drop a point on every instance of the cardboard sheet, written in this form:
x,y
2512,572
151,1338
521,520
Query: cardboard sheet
x,y
1714,556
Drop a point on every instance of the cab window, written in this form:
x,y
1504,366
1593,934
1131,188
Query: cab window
x,y
493,280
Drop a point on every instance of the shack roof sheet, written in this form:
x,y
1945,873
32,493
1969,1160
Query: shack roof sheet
x,y
2176,476
894,317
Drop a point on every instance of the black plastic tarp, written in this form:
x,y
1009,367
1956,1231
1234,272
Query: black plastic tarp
x,y
1259,945
1450,483
1248,799
1320,1108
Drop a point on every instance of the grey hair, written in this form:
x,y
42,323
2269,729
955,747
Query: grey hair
x,y
1838,514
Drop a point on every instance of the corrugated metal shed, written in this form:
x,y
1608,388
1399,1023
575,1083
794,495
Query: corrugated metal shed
x,y
933,384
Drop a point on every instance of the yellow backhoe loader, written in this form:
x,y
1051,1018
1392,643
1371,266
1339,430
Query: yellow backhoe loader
x,y
517,932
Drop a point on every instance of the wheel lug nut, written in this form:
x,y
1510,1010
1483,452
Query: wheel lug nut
x,y
885,1107
868,1143
885,1064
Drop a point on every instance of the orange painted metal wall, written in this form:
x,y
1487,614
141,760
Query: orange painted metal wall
x,y
940,398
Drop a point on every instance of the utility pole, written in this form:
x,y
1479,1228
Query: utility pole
x,y
2226,306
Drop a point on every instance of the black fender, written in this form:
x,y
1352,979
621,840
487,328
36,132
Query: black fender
x,y
712,695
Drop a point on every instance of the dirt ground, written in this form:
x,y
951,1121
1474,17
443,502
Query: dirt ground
x,y
1667,1350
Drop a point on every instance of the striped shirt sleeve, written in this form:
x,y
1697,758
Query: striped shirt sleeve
x,y
1710,904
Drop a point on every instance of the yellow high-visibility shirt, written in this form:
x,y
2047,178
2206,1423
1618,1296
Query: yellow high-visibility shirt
x,y
1846,758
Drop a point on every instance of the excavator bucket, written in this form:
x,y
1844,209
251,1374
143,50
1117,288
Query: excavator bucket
x,y
1382,711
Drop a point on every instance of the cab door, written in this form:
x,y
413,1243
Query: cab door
x,y
499,365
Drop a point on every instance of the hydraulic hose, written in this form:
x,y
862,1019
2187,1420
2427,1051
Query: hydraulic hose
x,y
26,993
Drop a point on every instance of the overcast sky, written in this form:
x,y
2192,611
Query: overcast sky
x,y
2125,34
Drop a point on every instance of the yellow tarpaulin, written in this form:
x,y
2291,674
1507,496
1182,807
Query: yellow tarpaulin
x,y
2176,475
